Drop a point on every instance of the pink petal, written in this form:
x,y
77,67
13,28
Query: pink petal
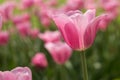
x,y
1,21
91,31
1,75
90,14
71,36
61,20
8,76
39,60
59,51
73,12
22,73
67,29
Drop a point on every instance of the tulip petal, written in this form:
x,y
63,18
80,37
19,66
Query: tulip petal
x,y
71,35
74,12
22,73
90,14
61,20
67,29
91,31
1,76
8,76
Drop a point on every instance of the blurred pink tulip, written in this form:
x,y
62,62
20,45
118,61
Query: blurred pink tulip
x,y
50,36
1,21
21,18
109,5
19,73
104,22
59,51
73,5
24,29
39,60
43,16
27,4
52,2
79,30
90,4
34,33
4,37
7,10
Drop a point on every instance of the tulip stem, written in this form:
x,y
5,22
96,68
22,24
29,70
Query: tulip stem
x,y
84,66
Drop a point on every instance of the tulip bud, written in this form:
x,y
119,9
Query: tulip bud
x,y
39,60
59,51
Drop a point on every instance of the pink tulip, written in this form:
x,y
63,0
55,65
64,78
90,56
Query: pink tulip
x,y
39,60
59,51
52,2
24,29
27,4
73,5
79,30
104,22
21,18
19,73
90,4
4,37
50,36
7,10
43,16
1,21
109,5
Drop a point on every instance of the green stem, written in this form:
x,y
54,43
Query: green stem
x,y
84,66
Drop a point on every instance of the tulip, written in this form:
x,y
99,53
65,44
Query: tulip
x,y
78,29
27,4
43,15
90,4
21,19
109,5
7,10
73,5
52,3
59,51
50,36
24,29
39,60
1,21
4,37
19,73
104,22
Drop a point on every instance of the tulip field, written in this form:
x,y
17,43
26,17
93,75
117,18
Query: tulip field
x,y
59,39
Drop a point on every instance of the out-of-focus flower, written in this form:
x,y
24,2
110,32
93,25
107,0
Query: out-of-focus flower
x,y
19,73
73,5
27,3
39,60
59,51
43,16
52,2
1,21
6,10
104,22
34,33
109,5
21,19
90,4
50,36
4,37
79,30
24,29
